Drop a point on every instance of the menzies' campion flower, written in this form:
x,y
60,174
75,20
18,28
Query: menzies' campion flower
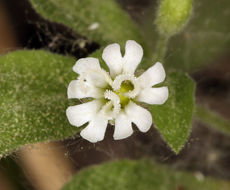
x,y
115,95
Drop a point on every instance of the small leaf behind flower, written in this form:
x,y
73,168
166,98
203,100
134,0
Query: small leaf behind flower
x,y
173,119
33,98
140,175
101,20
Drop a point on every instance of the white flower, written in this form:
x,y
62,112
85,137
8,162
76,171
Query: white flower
x,y
115,95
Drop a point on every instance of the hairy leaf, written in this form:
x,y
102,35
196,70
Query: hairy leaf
x,y
33,98
139,175
173,119
100,20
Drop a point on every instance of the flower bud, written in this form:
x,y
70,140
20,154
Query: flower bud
x,y
172,16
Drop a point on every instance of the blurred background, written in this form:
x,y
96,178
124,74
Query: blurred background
x,y
47,166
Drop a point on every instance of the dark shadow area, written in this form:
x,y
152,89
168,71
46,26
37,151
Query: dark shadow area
x,y
35,32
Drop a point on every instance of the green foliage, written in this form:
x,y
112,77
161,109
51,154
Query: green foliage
x,y
172,15
139,175
173,119
114,24
205,39
33,98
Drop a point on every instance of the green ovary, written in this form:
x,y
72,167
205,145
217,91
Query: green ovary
x,y
126,86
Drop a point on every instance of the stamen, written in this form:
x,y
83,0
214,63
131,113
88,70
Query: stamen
x,y
112,107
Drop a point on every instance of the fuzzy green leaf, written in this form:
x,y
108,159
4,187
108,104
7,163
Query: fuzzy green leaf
x,y
173,119
139,175
33,98
113,24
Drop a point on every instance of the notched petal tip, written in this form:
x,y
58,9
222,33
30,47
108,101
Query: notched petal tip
x,y
141,117
133,56
95,130
113,58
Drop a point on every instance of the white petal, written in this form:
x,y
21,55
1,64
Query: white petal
x,y
95,130
133,56
153,76
78,89
123,127
89,69
153,95
140,116
82,113
84,64
98,78
113,58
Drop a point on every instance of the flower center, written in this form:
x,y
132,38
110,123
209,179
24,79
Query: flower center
x,y
126,87
118,94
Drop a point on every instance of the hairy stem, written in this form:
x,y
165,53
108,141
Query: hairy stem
x,y
213,119
161,49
